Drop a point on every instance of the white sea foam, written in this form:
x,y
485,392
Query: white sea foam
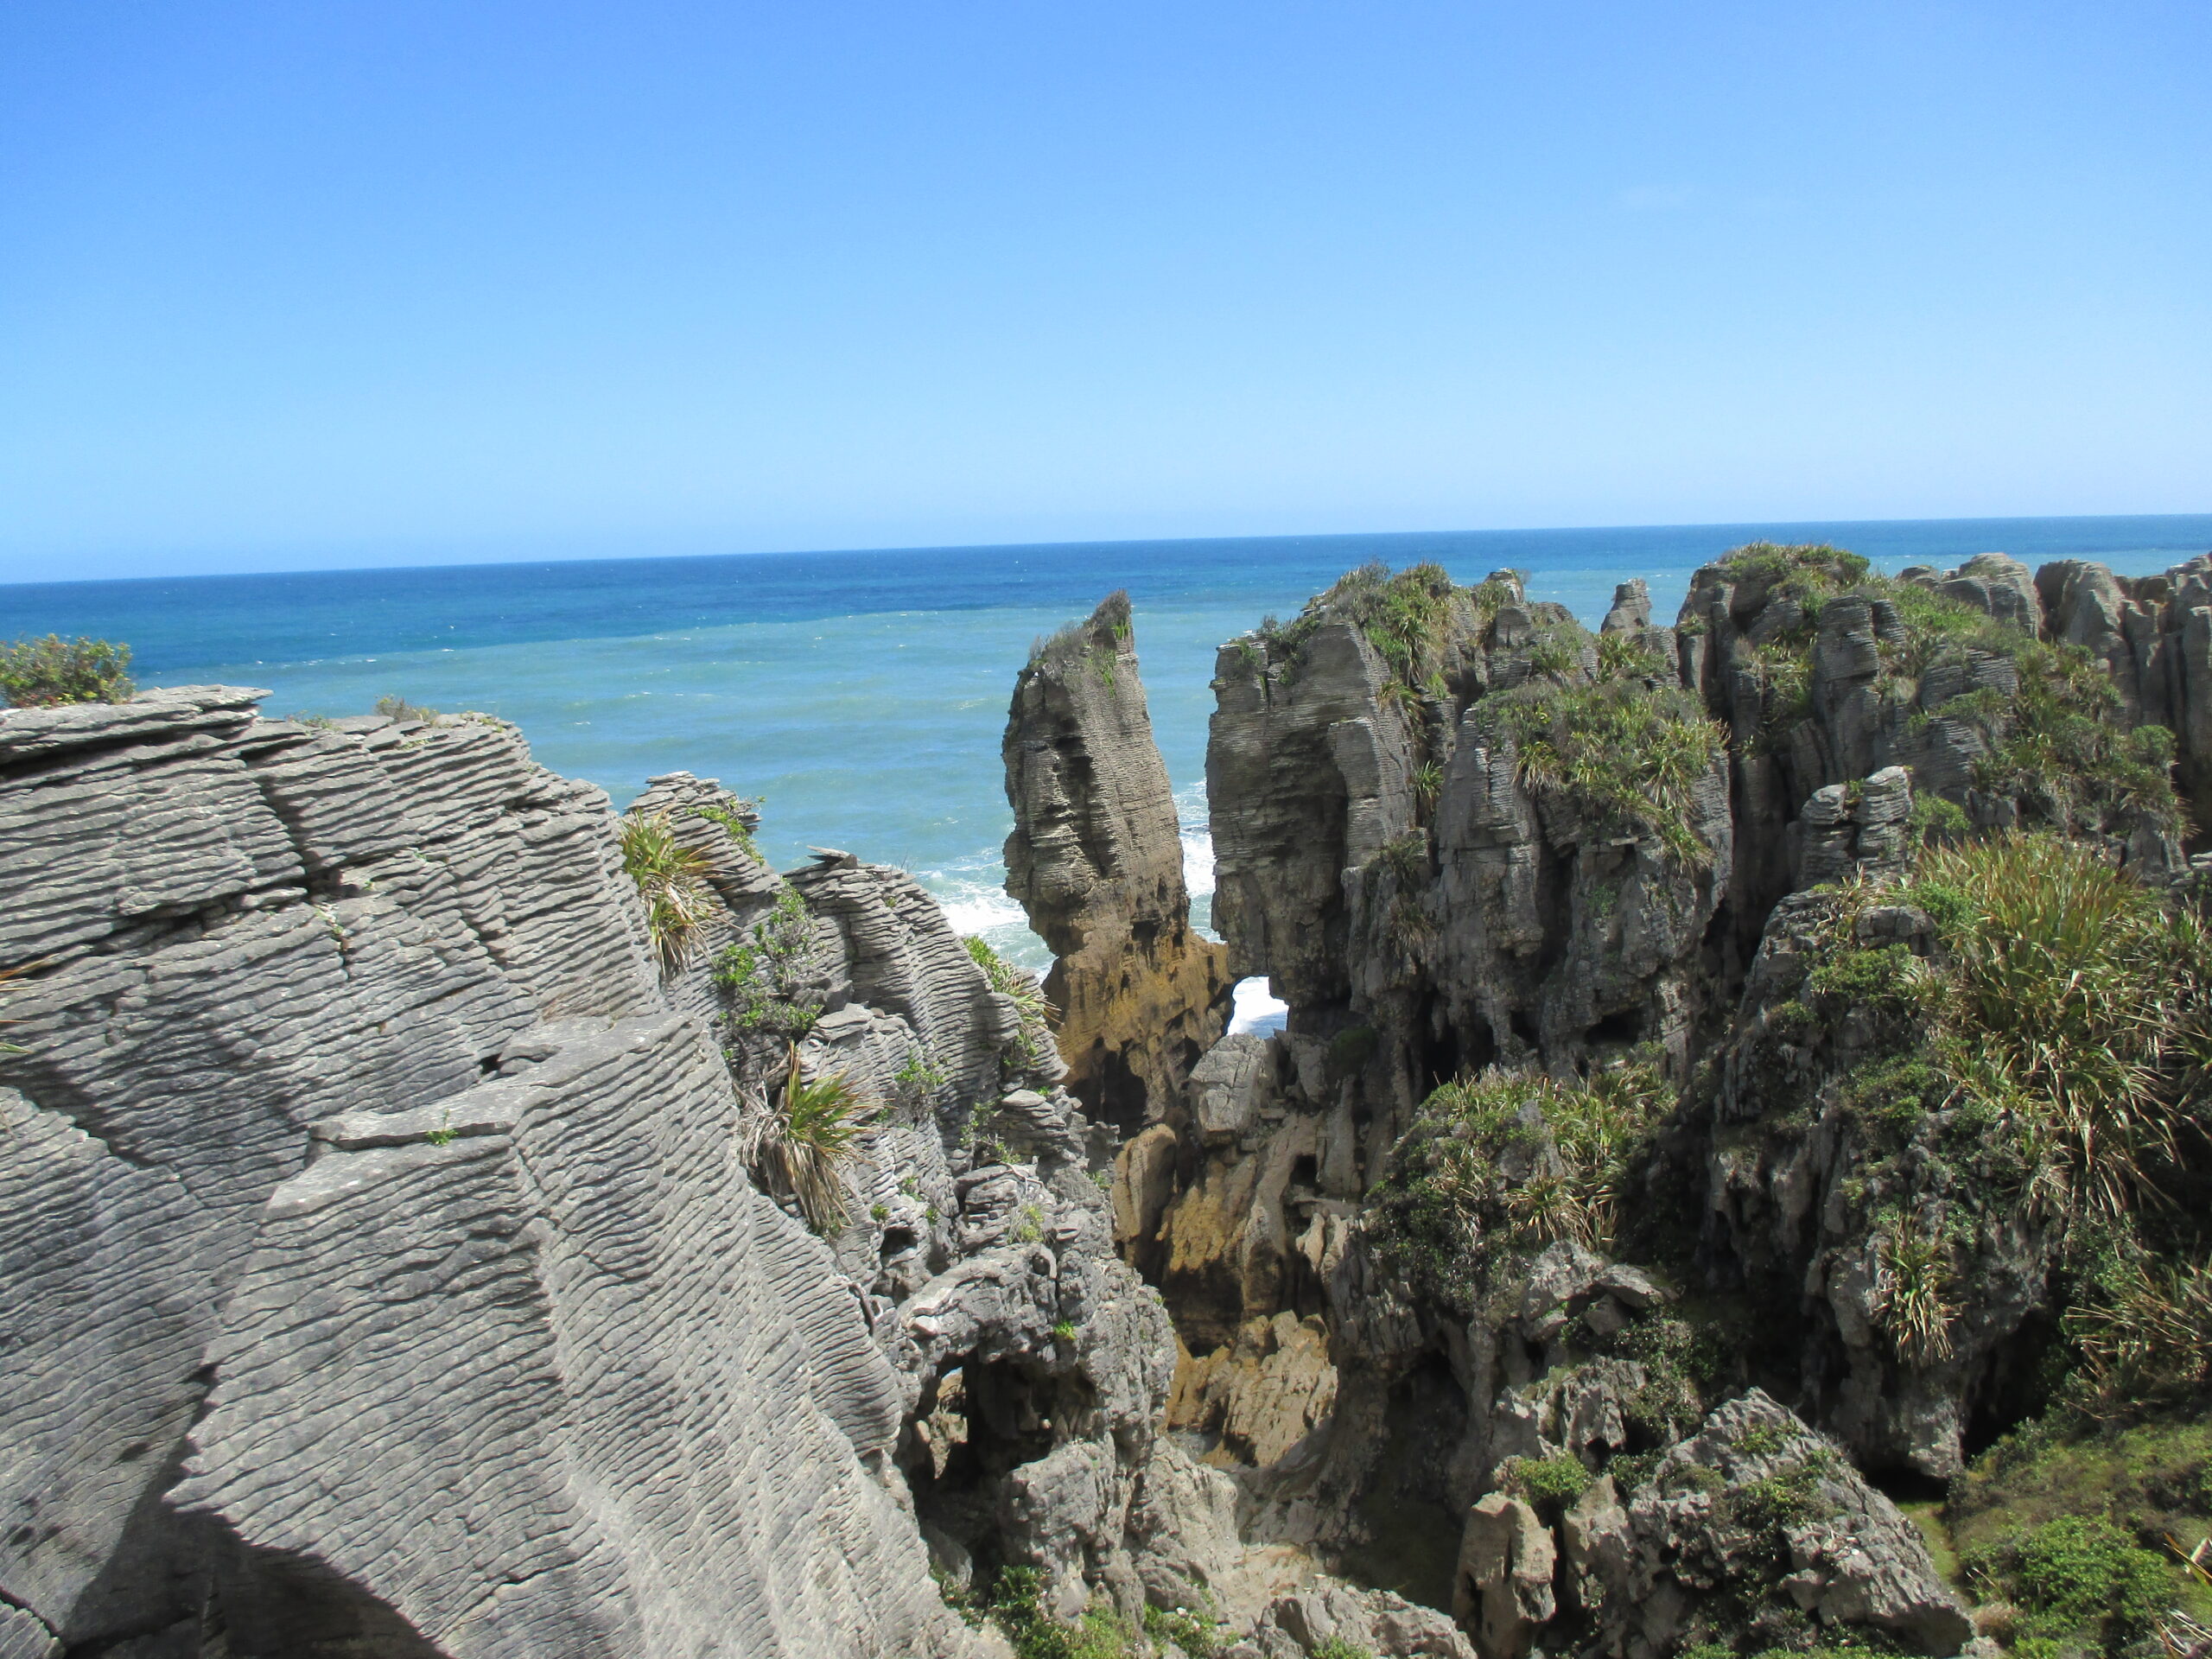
x,y
1256,1010
1197,836
1197,841
971,891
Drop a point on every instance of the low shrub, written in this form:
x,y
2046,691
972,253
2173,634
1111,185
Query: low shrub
x,y
44,673
1550,1485
2078,1576
1016,1605
1200,1636
760,974
1446,1200
1615,750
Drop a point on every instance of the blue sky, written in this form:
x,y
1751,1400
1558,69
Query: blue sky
x,y
367,282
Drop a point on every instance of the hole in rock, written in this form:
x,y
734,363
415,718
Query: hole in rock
x,y
1413,1546
2016,1385
897,1240
979,1421
1255,1009
1904,1487
1626,1027
1114,1094
1437,1053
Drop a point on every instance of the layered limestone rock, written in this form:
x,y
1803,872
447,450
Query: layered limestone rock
x,y
1824,679
1402,853
1095,860
382,1278
1463,838
1030,1362
1399,852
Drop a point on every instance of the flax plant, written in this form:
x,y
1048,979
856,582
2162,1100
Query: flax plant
x,y
671,878
813,1131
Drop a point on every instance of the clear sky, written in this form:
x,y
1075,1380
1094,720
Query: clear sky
x,y
367,282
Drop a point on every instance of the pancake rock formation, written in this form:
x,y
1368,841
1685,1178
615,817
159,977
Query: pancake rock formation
x,y
1095,860
381,1277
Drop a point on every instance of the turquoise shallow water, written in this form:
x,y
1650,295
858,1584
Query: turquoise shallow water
x,y
863,695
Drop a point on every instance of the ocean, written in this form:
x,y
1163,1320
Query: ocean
x,y
861,695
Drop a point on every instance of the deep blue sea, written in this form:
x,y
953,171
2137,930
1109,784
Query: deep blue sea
x,y
862,695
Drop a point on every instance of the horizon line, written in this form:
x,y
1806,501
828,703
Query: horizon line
x,y
529,560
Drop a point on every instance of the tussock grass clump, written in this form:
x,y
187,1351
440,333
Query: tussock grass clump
x,y
47,672
1619,751
1511,1162
671,878
2075,1005
2142,1325
813,1131
1910,1291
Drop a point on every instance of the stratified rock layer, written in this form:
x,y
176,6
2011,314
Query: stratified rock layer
x,y
1095,860
1435,836
359,1170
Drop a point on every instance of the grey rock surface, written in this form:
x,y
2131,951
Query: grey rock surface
x,y
381,1277
1705,1528
1096,860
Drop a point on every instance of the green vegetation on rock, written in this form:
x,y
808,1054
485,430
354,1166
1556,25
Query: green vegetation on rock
x,y
671,878
393,706
813,1131
760,974
41,673
1015,1604
1511,1161
2078,1578
2077,1529
1616,750
1024,992
1198,1635
2044,1064
2047,714
1406,616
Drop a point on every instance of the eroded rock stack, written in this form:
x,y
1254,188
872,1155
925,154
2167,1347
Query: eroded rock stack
x,y
1096,860
1463,838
